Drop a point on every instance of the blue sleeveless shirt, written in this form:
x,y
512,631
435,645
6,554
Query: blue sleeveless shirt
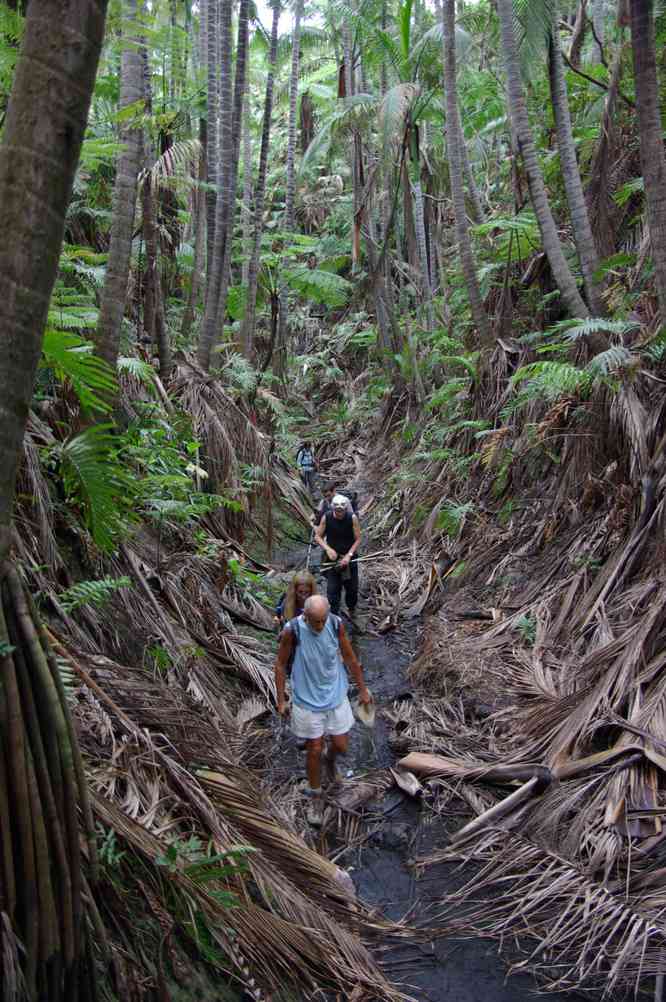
x,y
318,678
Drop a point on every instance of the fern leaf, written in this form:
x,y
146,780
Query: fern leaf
x,y
95,593
612,360
319,286
72,359
94,478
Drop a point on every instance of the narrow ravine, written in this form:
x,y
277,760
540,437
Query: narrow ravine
x,y
392,829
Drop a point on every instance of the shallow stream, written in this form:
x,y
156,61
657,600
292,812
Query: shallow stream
x,y
445,970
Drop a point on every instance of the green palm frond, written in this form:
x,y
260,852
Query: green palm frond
x,y
72,359
94,478
398,102
356,111
173,162
532,27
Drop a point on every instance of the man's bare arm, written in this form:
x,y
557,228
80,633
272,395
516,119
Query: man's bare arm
x,y
319,539
357,541
281,662
353,664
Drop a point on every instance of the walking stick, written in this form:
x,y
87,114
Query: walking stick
x,y
307,562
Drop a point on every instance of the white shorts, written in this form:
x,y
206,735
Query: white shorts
x,y
310,724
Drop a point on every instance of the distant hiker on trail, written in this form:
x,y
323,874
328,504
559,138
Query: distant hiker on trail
x,y
301,586
305,462
325,505
339,535
319,683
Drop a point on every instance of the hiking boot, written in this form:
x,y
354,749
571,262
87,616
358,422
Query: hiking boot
x,y
315,812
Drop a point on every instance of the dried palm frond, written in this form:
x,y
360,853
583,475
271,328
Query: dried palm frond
x,y
585,935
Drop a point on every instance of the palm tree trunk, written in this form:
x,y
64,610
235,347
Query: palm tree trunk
x,y
477,213
453,150
246,212
289,209
114,292
226,176
247,333
422,246
199,219
40,151
39,155
651,139
210,12
580,221
552,246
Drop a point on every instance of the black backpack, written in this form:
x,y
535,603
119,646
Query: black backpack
x,y
296,631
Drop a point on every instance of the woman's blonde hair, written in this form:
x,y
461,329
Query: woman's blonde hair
x,y
300,578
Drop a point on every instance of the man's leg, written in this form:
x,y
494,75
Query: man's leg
x,y
338,744
334,591
314,813
313,763
351,587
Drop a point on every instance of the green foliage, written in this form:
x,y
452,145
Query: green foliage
x,y
451,516
319,286
526,626
95,593
72,359
107,847
513,238
204,866
95,480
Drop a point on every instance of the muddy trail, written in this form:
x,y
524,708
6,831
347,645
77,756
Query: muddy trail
x,y
375,838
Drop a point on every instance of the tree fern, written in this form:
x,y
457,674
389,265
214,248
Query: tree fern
x,y
95,593
319,286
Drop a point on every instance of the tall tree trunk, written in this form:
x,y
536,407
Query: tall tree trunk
x,y
246,211
128,164
211,11
199,220
240,87
580,221
422,245
289,209
564,279
651,138
154,322
40,864
247,332
212,318
578,34
40,150
454,137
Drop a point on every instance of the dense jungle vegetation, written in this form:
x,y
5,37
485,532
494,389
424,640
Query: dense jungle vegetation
x,y
431,238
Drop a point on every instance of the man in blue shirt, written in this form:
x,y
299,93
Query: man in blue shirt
x,y
319,684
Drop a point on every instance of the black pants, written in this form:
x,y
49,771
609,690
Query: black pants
x,y
307,476
334,585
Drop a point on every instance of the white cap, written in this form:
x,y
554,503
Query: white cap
x,y
339,501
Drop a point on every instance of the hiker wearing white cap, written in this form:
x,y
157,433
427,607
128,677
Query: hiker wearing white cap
x,y
339,535
321,649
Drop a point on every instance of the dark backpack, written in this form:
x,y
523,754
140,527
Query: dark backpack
x,y
296,633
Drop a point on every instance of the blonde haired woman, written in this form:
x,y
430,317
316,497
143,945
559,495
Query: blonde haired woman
x,y
301,587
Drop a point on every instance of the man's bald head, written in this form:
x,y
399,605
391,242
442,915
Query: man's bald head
x,y
316,611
